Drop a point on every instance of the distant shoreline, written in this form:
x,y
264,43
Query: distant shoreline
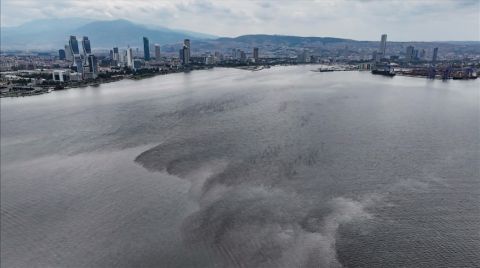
x,y
40,90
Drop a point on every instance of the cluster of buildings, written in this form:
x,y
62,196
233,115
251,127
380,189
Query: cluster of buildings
x,y
127,58
185,58
83,64
416,63
412,55
77,61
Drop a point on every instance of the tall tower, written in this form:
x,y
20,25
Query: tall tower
x,y
435,55
68,53
73,45
146,48
87,50
116,55
255,53
76,58
157,51
92,66
129,57
186,51
383,45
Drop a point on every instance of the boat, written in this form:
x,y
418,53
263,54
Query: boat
x,y
384,69
383,72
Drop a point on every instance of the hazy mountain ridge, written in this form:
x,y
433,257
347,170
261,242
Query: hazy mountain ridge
x,y
54,33
48,34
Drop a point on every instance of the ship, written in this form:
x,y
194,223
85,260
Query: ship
x,y
383,72
383,69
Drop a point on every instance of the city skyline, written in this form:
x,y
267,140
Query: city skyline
x,y
359,20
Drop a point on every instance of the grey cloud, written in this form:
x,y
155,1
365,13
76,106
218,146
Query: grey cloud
x,y
405,20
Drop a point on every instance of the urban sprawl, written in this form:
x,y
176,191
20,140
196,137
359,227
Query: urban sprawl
x,y
25,74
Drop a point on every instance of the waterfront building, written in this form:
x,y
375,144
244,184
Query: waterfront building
x,y
157,51
383,46
60,75
76,58
91,67
61,54
146,48
255,53
76,76
186,52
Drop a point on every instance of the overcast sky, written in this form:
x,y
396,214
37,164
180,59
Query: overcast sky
x,y
402,20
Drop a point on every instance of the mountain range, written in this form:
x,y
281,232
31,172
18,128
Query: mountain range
x,y
54,34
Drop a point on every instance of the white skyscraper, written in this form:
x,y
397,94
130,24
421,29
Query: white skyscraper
x,y
130,57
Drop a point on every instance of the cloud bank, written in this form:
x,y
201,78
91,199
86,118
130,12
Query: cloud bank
x,y
426,20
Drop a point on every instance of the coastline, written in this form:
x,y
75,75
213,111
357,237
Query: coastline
x,y
38,90
26,91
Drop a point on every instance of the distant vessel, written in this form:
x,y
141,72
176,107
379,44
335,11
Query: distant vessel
x,y
326,70
384,72
384,69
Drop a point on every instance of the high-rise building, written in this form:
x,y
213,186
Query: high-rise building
x,y
68,53
255,53
76,58
185,56
146,48
410,53
61,54
73,44
186,51
116,56
92,65
157,51
87,50
383,46
122,58
180,55
129,57
435,55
